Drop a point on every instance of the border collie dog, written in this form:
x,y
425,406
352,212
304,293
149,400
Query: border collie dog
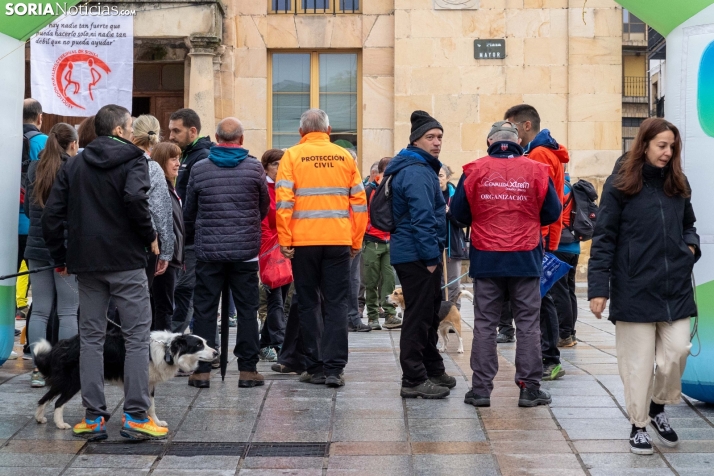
x,y
168,352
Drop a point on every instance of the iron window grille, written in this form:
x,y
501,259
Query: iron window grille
x,y
315,7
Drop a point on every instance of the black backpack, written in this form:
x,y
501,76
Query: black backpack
x,y
583,214
26,158
380,207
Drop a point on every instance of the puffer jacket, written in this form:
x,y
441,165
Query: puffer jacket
x,y
160,209
226,200
418,208
193,153
640,258
35,248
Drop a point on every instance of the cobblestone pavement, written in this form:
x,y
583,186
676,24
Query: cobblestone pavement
x,y
370,429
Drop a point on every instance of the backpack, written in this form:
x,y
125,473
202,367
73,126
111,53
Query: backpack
x,y
26,137
380,207
583,213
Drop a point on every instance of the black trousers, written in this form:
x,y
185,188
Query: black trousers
x,y
162,299
549,331
273,332
292,354
323,271
183,294
563,291
243,280
418,354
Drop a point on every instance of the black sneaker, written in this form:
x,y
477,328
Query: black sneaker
x,y
361,327
476,400
444,380
504,339
531,397
665,433
316,378
426,389
334,381
640,442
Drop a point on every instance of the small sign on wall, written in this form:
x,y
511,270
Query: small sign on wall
x,y
490,49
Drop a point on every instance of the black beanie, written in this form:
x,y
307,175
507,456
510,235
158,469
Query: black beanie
x,y
421,123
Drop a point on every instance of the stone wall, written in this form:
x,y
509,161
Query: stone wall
x,y
251,33
561,58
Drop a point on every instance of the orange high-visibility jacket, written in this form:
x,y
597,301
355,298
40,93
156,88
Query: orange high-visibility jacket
x,y
320,196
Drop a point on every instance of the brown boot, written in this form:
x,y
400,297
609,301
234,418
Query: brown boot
x,y
250,379
200,380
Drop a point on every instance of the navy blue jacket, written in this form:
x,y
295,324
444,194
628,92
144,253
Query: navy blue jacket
x,y
226,199
418,207
493,264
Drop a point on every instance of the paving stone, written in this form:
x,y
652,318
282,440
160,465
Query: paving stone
x,y
684,462
369,430
621,460
445,430
550,462
27,471
213,436
366,448
272,472
530,447
34,459
584,402
282,463
203,462
393,465
632,471
114,461
592,413
518,424
525,435
103,472
449,408
602,446
288,436
193,472
467,465
689,446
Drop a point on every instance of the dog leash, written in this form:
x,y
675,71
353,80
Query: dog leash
x,y
25,273
455,280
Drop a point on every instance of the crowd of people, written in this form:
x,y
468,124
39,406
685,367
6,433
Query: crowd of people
x,y
117,224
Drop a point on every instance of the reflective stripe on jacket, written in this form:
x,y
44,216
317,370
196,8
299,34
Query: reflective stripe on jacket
x,y
320,198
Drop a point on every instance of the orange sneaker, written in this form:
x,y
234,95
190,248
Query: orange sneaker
x,y
142,429
92,430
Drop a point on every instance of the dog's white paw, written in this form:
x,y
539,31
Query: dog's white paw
x,y
161,423
461,350
41,420
64,426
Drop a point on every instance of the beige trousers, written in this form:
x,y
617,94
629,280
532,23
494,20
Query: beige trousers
x,y
651,360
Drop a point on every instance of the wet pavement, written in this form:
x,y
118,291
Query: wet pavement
x,y
292,428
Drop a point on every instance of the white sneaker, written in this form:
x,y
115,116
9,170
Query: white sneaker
x,y
13,355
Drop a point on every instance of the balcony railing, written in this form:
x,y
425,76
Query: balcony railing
x,y
634,86
310,7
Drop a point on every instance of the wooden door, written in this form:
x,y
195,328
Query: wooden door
x,y
163,107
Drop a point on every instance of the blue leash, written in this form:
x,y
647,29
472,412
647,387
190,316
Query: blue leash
x,y
455,280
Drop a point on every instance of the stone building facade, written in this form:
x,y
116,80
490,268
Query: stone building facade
x,y
370,63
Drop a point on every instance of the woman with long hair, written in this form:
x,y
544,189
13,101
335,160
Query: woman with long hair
x,y
147,136
48,287
643,252
168,156
456,250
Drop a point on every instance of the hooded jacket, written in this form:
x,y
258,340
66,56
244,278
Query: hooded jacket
x,y
194,152
508,231
640,258
101,194
418,207
544,149
226,200
36,248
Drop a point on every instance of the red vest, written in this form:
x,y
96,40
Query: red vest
x,y
505,196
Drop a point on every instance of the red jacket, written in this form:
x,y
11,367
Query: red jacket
x,y
505,196
268,228
555,160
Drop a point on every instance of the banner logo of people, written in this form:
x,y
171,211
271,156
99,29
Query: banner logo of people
x,y
79,63
67,77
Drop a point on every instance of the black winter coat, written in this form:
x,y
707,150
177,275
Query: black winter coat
x,y
101,194
455,237
639,257
224,206
35,248
191,154
179,230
